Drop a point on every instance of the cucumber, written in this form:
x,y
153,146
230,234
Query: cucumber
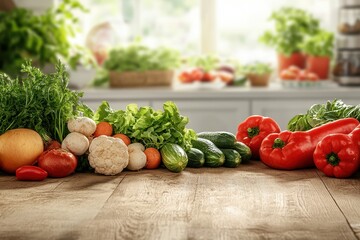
x,y
213,155
243,150
232,158
196,158
220,139
174,157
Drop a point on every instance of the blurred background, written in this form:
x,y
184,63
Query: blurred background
x,y
239,36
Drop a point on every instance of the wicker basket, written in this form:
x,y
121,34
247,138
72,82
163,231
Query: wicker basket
x,y
141,79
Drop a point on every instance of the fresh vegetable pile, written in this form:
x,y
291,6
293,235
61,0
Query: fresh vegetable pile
x,y
47,132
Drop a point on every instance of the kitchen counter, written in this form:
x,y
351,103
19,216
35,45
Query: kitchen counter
x,y
273,91
248,202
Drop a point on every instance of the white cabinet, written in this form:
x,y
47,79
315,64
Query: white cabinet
x,y
115,104
212,115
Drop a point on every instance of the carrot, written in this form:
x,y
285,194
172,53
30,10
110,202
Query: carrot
x,y
103,128
153,158
123,137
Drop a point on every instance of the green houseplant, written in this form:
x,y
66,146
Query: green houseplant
x,y
258,73
291,26
319,50
43,38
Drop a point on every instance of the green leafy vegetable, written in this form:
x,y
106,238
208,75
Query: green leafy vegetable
x,y
38,101
291,26
138,57
320,44
320,114
153,128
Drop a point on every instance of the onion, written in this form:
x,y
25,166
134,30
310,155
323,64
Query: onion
x,y
19,147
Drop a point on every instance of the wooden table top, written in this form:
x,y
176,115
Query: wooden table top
x,y
249,202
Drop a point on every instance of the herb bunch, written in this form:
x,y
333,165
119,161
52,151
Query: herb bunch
x,y
38,101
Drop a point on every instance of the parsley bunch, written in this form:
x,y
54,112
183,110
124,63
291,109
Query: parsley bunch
x,y
38,101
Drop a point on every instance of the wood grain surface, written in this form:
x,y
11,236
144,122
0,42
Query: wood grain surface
x,y
249,202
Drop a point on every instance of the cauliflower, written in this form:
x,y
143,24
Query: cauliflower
x,y
108,155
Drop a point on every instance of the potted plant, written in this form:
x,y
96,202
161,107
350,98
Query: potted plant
x,y
319,50
258,73
138,65
44,38
291,27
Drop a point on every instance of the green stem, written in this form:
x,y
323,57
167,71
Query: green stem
x,y
333,159
252,132
278,143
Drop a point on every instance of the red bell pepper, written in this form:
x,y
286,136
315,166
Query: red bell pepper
x,y
253,130
337,155
294,150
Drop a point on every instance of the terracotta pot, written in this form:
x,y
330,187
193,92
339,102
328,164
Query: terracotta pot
x,y
257,80
318,65
297,59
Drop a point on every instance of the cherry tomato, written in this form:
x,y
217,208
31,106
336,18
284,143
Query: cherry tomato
x,y
208,77
185,77
58,162
30,173
196,74
287,75
294,69
302,76
312,76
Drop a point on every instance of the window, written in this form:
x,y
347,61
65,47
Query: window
x,y
229,28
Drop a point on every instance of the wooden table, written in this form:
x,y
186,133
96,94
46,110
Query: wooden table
x,y
249,202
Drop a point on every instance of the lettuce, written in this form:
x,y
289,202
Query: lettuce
x,y
151,127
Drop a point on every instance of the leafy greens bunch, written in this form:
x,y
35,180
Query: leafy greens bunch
x,y
320,114
153,128
38,101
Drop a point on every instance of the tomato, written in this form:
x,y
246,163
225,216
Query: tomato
x,y
302,76
312,76
185,77
294,69
58,162
208,77
53,144
287,75
30,173
196,74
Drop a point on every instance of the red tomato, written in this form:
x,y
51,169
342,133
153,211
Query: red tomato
x,y
302,75
312,76
294,69
58,162
185,77
197,74
30,173
287,75
53,144
208,77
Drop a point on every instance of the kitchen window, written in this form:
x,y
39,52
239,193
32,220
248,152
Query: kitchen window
x,y
229,28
